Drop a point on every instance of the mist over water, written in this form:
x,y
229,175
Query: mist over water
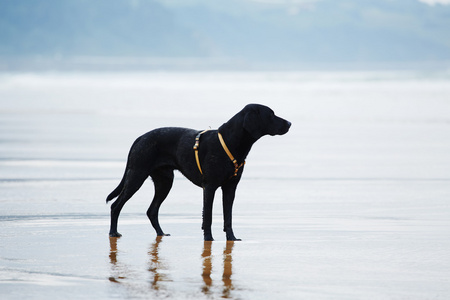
x,y
352,203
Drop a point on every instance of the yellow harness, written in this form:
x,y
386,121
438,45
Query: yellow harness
x,y
224,146
197,144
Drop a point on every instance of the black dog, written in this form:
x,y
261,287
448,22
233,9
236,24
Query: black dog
x,y
216,160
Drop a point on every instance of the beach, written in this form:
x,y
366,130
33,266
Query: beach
x,y
352,203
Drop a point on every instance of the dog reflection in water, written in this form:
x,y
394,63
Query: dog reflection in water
x,y
156,266
120,272
123,275
227,268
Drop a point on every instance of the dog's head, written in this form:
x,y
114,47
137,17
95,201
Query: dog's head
x,y
260,120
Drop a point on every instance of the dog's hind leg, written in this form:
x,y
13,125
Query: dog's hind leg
x,y
163,180
133,182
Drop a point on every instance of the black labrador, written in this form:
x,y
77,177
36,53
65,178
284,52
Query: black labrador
x,y
217,161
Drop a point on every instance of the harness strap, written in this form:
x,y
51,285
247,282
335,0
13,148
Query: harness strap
x,y
233,160
196,146
224,146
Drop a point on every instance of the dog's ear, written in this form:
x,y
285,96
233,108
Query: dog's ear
x,y
252,123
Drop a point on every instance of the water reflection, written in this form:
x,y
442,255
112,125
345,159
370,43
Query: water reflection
x,y
227,269
155,265
118,271
131,279
207,267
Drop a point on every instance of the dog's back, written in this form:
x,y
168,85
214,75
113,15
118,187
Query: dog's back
x,y
156,149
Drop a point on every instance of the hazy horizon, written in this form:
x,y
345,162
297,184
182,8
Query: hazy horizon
x,y
237,34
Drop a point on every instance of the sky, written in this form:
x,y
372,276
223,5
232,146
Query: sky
x,y
287,2
434,2
247,31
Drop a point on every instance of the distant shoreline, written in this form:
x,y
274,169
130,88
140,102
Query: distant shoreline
x,y
120,64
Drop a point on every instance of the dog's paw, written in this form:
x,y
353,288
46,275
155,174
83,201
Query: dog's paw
x,y
231,237
164,234
114,234
208,238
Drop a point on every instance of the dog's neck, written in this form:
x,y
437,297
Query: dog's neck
x,y
237,139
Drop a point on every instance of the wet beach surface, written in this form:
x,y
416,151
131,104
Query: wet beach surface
x,y
353,203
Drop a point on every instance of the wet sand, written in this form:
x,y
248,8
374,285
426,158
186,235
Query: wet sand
x,y
351,204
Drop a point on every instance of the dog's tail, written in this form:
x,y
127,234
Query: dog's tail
x,y
117,190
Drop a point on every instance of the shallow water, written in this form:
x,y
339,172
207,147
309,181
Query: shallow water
x,y
352,203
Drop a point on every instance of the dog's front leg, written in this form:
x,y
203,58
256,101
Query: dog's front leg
x,y
229,192
208,199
